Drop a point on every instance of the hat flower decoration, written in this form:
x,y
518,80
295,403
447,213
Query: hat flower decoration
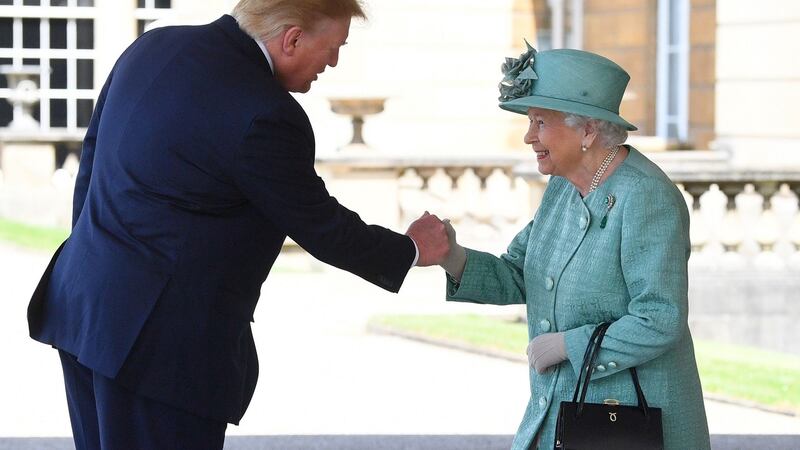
x,y
518,75
565,80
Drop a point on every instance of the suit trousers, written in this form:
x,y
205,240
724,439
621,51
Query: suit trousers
x,y
107,416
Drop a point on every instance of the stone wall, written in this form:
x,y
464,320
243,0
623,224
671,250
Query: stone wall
x,y
754,308
758,82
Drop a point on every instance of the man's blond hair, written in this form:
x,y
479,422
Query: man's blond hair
x,y
266,19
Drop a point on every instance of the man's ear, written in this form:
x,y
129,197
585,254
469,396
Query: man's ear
x,y
289,39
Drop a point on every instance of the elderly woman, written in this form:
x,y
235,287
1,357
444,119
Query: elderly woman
x,y
609,243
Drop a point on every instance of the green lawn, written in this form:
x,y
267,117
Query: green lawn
x,y
31,236
753,374
47,240
735,372
475,330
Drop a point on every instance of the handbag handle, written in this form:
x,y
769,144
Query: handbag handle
x,y
587,368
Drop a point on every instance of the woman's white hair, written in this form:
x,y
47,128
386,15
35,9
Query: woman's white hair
x,y
609,134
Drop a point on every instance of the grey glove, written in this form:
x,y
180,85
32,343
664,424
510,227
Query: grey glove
x,y
457,257
546,350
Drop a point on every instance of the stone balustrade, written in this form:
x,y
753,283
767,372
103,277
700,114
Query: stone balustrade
x,y
485,199
740,218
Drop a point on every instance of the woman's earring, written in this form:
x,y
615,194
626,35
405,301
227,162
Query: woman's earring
x,y
583,148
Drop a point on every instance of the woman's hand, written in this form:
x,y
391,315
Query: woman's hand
x,y
457,257
546,350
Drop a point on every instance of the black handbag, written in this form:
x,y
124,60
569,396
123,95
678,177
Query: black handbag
x,y
606,425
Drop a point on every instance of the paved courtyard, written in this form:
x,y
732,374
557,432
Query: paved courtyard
x,y
322,373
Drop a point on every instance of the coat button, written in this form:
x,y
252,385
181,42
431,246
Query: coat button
x,y
549,283
601,368
542,402
612,365
544,325
583,222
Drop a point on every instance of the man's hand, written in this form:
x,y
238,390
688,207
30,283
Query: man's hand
x,y
430,235
546,350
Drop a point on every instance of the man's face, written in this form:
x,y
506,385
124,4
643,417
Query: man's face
x,y
315,50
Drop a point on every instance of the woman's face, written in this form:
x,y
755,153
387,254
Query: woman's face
x,y
557,146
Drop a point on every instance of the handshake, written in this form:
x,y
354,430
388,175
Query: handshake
x,y
436,242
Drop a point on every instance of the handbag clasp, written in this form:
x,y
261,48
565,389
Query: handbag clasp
x,y
611,401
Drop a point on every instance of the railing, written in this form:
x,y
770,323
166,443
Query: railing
x,y
483,196
740,218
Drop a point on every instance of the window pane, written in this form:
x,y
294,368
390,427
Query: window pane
x,y
31,61
30,33
674,77
85,107
3,79
85,2
32,2
140,3
58,112
6,112
163,3
58,74
6,2
58,2
672,130
85,33
6,32
674,21
85,74
58,33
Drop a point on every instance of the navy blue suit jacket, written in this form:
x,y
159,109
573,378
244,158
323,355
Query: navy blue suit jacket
x,y
196,166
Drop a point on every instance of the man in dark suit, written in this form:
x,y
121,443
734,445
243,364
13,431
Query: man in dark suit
x,y
196,166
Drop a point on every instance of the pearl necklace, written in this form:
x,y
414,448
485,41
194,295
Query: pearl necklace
x,y
603,167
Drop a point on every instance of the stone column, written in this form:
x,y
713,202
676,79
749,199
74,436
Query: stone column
x,y
27,193
756,72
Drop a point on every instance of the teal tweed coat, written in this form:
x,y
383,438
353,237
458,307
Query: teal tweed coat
x,y
573,273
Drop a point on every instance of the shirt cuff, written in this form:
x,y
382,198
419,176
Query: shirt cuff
x,y
416,252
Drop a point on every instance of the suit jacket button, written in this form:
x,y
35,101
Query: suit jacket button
x,y
612,365
549,283
601,368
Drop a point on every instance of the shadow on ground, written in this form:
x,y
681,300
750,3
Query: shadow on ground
x,y
377,442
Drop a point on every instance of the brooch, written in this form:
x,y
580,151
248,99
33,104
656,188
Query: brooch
x,y
610,201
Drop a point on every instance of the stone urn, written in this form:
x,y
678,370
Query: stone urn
x,y
24,94
357,108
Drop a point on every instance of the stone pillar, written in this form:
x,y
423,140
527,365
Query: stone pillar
x,y
114,18
28,164
756,72
27,193
371,192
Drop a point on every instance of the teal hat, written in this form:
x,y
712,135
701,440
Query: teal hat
x,y
566,80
